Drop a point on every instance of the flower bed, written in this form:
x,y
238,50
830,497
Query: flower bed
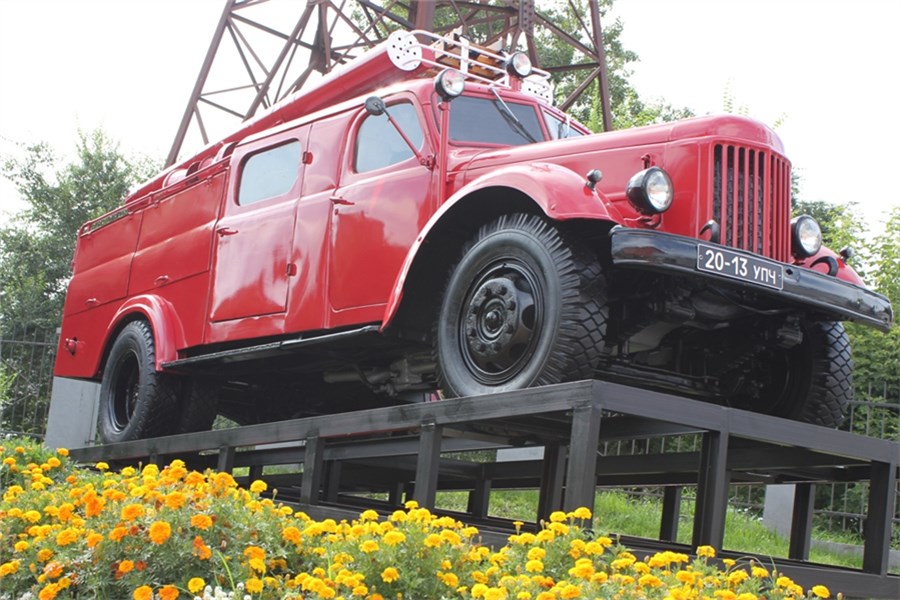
x,y
67,532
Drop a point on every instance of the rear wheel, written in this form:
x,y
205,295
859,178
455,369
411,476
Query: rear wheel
x,y
524,306
136,401
200,405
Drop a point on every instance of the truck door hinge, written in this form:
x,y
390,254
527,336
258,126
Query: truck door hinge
x,y
429,161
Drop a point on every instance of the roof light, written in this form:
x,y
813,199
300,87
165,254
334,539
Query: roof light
x,y
449,84
519,65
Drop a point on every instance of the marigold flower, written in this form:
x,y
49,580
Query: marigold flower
x,y
706,551
196,584
125,566
258,487
160,531
201,521
557,516
252,552
62,451
175,500
168,592
130,512
145,592
66,537
390,574
101,466
392,538
49,592
820,591
369,546
534,566
45,555
291,534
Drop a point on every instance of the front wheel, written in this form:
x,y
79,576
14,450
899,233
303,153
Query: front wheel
x,y
136,401
812,382
524,306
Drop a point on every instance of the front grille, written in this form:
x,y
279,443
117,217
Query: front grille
x,y
751,200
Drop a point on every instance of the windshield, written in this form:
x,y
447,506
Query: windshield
x,y
483,120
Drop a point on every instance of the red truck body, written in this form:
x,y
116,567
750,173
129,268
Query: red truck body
x,y
312,246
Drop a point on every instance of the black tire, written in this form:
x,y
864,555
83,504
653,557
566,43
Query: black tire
x,y
200,405
136,401
525,306
812,382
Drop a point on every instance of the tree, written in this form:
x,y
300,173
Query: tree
x,y
36,248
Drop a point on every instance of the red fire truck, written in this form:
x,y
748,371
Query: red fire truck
x,y
424,222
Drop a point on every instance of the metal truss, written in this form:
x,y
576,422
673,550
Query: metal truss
x,y
264,50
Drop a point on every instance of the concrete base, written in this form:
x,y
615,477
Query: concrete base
x,y
72,422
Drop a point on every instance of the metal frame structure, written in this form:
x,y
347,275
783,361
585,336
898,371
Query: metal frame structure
x,y
402,451
263,50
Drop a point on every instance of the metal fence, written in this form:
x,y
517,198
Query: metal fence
x,y
26,376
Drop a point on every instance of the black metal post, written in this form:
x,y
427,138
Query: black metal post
x,y
801,521
882,498
552,471
712,491
671,511
312,470
581,472
425,490
226,459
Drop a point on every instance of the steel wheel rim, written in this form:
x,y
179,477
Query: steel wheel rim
x,y
124,395
501,320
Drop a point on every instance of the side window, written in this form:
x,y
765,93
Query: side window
x,y
269,173
378,144
560,129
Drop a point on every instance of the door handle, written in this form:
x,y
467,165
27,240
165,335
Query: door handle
x,y
223,231
337,200
161,280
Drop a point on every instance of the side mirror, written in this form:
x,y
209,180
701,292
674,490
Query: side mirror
x,y
375,106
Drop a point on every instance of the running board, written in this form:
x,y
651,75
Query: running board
x,y
261,351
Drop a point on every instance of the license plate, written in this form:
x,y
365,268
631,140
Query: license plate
x,y
738,266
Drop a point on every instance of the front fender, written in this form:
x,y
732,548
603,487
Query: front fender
x,y
560,193
826,260
168,332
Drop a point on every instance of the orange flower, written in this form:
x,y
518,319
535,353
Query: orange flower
x,y
49,592
145,592
255,552
160,531
125,566
131,512
118,533
168,592
201,521
175,499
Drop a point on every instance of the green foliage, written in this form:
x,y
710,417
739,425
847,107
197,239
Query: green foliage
x,y
36,249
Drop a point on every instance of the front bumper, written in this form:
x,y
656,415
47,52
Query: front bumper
x,y
807,290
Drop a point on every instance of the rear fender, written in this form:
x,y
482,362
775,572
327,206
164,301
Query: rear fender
x,y
168,333
557,192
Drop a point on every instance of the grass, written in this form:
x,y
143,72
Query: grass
x,y
617,512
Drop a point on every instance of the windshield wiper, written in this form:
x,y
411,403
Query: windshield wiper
x,y
511,118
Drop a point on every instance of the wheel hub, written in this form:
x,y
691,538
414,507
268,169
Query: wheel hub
x,y
499,323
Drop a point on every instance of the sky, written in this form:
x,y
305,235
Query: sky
x,y
827,70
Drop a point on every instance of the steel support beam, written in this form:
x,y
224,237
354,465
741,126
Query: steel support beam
x,y
712,491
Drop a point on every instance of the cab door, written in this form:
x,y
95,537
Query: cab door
x,y
254,236
384,200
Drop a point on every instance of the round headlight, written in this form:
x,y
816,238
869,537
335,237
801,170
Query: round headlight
x,y
651,191
449,84
519,64
806,236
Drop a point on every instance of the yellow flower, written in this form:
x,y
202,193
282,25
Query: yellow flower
x,y
252,552
258,486
145,592
160,531
557,516
582,513
291,534
62,451
706,552
389,575
534,566
254,585
196,584
368,546
820,591
20,546
49,591
392,538
102,466
66,537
